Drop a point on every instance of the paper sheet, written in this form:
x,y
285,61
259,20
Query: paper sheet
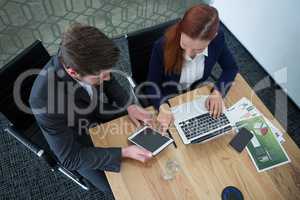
x,y
244,109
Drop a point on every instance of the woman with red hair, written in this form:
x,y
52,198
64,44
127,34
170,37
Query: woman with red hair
x,y
185,56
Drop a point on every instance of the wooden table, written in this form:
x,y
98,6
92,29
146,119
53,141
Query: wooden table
x,y
205,169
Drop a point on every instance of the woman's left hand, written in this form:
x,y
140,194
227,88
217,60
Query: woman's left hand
x,y
214,104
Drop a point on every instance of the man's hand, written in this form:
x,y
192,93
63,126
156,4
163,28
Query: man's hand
x,y
138,114
214,104
165,117
136,153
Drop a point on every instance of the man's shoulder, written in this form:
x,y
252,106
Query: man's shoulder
x,y
40,86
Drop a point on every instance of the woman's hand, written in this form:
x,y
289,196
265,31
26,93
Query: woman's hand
x,y
165,117
214,104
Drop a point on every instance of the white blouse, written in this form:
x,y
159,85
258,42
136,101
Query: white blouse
x,y
192,69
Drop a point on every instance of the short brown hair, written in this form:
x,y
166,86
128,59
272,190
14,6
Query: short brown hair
x,y
87,49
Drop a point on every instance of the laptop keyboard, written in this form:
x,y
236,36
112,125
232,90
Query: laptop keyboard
x,y
202,124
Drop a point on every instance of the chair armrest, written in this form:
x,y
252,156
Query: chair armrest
x,y
7,127
28,144
4,122
53,164
74,176
31,146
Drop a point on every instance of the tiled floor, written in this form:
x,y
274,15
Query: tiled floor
x,y
23,21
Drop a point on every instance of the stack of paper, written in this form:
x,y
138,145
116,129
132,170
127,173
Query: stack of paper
x,y
265,151
243,110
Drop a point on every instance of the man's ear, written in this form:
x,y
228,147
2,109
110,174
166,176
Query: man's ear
x,y
72,72
216,34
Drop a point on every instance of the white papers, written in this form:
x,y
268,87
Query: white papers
x,y
244,109
265,151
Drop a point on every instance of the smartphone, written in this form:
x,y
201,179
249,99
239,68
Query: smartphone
x,y
240,141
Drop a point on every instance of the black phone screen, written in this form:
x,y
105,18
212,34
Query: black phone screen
x,y
240,141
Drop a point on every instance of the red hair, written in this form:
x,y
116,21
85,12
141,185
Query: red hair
x,y
199,22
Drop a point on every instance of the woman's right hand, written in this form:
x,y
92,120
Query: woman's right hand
x,y
165,117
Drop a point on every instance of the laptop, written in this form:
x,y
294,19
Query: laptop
x,y
194,123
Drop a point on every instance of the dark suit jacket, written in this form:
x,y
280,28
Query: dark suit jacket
x,y
66,129
217,52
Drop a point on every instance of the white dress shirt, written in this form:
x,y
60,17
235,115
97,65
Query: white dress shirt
x,y
87,87
192,69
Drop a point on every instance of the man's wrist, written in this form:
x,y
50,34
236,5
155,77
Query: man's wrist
x,y
124,152
130,107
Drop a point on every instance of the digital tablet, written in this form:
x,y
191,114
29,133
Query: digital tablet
x,y
150,140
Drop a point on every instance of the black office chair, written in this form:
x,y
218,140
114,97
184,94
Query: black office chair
x,y
18,123
140,45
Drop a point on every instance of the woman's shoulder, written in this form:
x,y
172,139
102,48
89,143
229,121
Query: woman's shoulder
x,y
219,39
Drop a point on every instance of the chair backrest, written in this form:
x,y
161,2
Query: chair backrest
x,y
33,57
140,45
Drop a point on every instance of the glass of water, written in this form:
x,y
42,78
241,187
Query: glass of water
x,y
171,169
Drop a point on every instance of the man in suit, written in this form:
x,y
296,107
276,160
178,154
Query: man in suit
x,y
67,99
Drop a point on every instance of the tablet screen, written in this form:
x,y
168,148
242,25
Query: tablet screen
x,y
150,140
